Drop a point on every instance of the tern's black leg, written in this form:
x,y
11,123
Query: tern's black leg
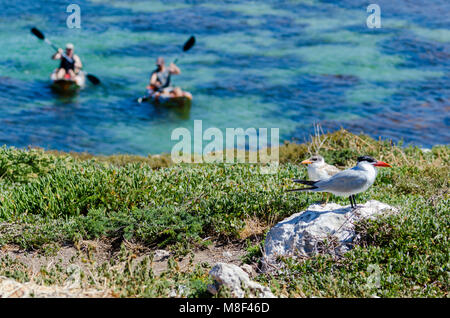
x,y
351,201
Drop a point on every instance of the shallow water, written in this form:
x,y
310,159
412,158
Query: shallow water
x,y
284,64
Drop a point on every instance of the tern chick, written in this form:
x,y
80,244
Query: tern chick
x,y
318,169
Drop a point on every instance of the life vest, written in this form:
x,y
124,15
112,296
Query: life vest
x,y
163,77
66,64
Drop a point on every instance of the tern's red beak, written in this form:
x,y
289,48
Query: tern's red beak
x,y
306,162
382,164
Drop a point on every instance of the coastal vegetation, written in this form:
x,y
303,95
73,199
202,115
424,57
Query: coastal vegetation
x,y
137,205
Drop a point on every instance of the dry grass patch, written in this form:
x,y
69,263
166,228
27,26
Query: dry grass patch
x,y
253,227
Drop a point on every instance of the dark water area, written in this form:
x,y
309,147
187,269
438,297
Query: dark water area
x,y
261,64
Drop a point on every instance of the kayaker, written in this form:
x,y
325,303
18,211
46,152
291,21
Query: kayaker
x,y
160,78
70,64
177,92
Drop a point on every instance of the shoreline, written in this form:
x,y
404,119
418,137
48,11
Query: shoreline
x,y
164,159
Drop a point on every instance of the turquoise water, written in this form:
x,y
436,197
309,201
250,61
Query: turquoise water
x,y
262,64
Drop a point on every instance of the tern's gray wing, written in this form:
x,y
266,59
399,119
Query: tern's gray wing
x,y
346,181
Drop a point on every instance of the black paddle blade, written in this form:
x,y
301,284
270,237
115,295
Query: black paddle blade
x,y
94,80
38,33
189,44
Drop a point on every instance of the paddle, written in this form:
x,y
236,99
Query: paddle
x,y
94,80
186,47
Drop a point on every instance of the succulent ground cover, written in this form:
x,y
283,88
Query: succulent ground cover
x,y
136,205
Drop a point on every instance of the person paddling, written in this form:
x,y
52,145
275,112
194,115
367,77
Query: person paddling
x,y
159,86
160,78
70,64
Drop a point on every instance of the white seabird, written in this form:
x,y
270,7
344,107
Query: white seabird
x,y
348,182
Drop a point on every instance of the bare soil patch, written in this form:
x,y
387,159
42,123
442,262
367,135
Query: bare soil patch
x,y
89,254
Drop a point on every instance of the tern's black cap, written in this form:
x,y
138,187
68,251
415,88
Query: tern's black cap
x,y
366,158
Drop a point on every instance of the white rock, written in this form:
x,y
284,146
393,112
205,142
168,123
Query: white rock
x,y
248,269
161,254
227,254
237,281
328,228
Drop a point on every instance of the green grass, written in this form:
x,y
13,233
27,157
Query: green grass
x,y
48,197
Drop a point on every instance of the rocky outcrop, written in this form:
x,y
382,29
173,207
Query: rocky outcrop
x,y
237,281
329,228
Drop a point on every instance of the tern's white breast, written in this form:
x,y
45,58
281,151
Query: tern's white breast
x,y
317,173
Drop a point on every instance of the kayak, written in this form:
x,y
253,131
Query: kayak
x,y
66,84
168,100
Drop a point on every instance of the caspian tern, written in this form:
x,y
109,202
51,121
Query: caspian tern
x,y
318,169
348,182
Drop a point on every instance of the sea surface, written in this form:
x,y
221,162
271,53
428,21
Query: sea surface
x,y
256,64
